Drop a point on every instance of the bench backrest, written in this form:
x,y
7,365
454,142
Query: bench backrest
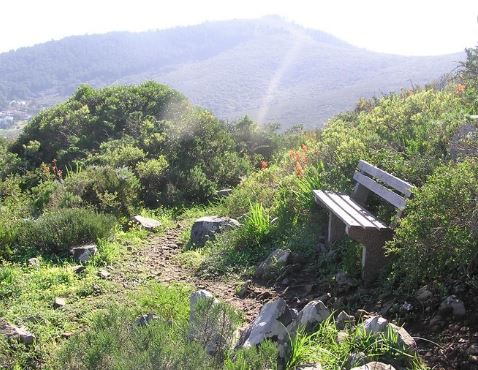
x,y
388,187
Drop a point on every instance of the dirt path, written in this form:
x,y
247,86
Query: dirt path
x,y
156,261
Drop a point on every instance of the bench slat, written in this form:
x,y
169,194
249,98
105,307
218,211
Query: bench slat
x,y
347,210
391,197
398,184
365,213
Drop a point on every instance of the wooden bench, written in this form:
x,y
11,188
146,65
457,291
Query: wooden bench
x,y
348,216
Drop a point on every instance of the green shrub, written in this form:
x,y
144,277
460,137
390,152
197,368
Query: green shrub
x,y
107,189
116,341
56,232
438,238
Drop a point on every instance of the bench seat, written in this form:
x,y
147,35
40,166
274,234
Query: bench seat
x,y
346,209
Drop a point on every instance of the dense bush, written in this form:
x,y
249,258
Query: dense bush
x,y
58,231
438,237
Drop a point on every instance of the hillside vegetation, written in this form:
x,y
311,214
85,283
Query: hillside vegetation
x,y
81,169
269,69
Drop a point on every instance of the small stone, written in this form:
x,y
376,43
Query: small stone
x,y
343,319
59,302
342,336
103,274
454,305
66,334
78,269
34,262
84,252
376,324
146,223
423,294
404,338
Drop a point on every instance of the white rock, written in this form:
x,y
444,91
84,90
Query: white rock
x,y
84,253
59,302
312,314
147,223
376,324
271,324
207,227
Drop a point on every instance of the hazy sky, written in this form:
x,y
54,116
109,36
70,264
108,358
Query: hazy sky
x,y
410,27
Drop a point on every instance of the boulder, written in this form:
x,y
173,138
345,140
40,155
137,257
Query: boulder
x,y
271,323
453,305
207,227
423,294
146,223
312,314
59,302
374,366
20,334
84,253
274,264
343,319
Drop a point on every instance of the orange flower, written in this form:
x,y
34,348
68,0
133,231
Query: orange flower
x,y
264,165
460,89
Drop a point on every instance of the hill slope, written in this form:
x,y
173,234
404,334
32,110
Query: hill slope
x,y
267,68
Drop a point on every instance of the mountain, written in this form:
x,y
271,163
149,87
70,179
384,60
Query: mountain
x,y
270,69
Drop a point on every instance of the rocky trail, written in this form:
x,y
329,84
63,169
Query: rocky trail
x,y
157,260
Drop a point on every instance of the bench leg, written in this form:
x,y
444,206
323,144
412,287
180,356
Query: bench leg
x,y
336,229
373,256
